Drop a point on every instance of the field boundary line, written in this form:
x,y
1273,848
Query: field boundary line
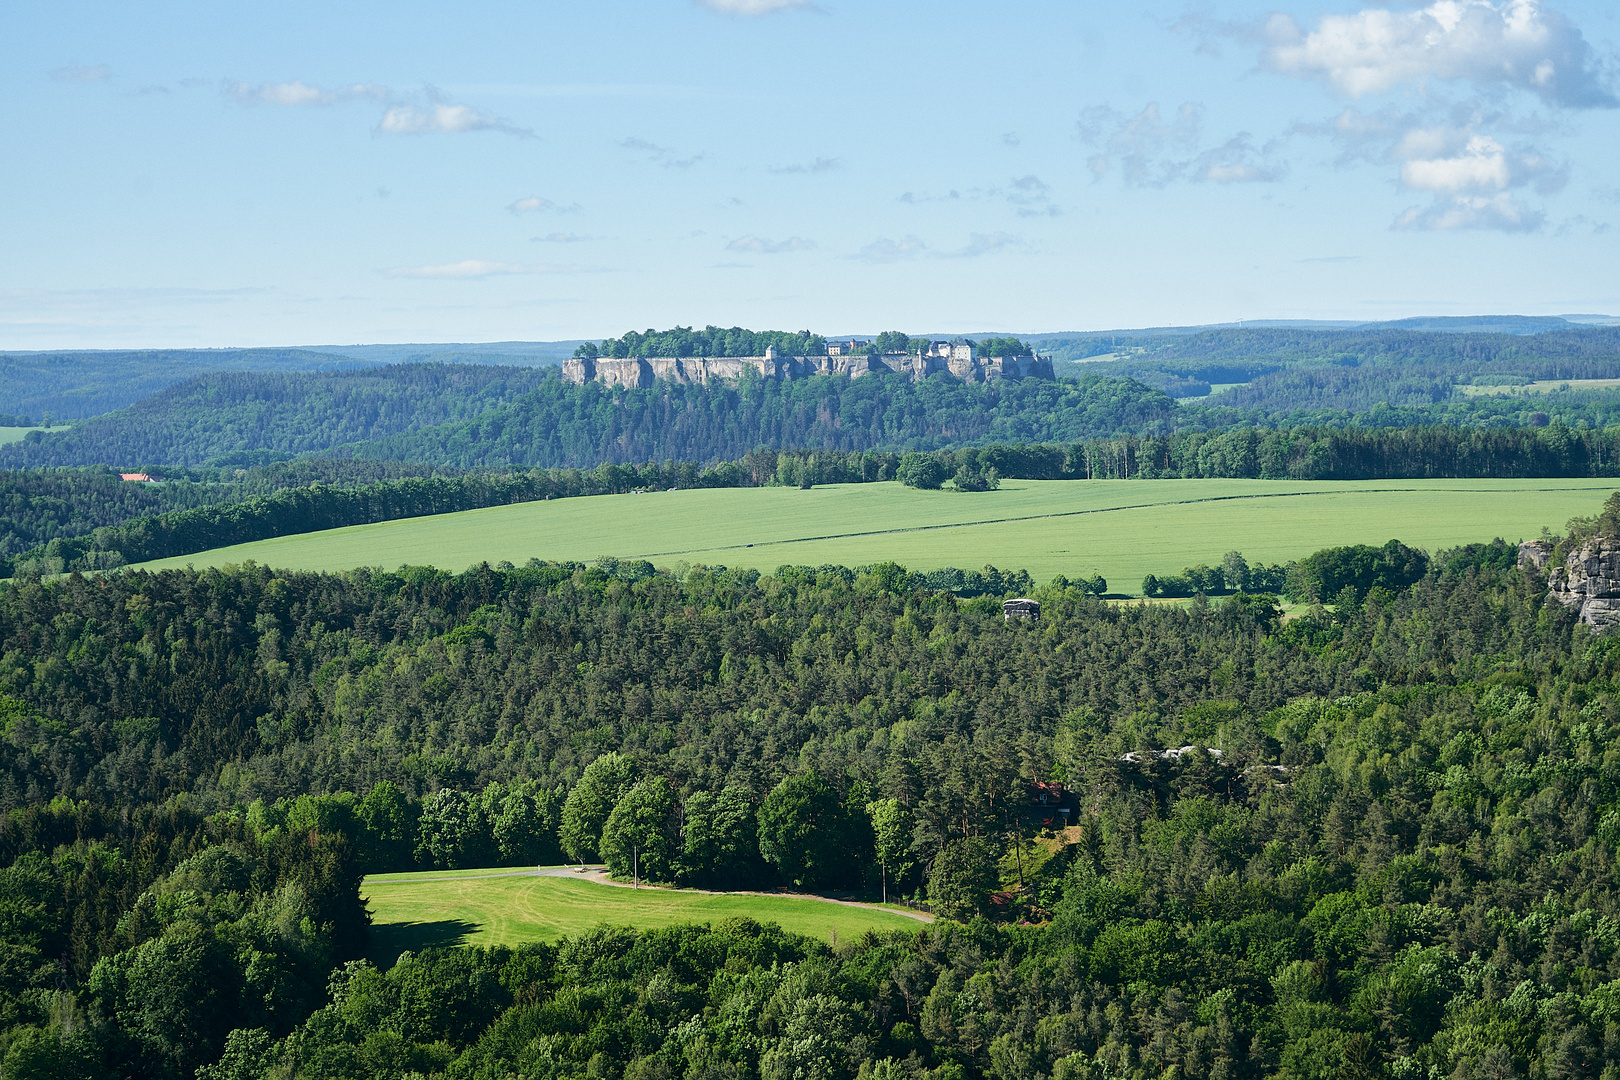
x,y
1080,513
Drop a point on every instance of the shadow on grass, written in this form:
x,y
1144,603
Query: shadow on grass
x,y
388,940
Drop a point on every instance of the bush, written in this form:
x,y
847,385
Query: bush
x,y
973,478
923,471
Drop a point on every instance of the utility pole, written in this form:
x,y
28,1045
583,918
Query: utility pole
x,y
635,867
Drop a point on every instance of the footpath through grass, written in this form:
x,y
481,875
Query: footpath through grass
x,y
411,911
1123,529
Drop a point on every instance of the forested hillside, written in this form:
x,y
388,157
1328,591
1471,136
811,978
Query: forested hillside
x,y
1389,849
250,418
1297,373
579,427
471,416
69,385
479,416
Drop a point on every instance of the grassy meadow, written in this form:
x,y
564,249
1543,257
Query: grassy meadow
x,y
413,910
1123,529
16,434
1543,386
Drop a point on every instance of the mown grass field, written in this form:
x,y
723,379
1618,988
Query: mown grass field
x,y
1123,529
16,434
410,911
1542,387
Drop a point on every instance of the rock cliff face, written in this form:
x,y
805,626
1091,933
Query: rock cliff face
x,y
644,372
1587,580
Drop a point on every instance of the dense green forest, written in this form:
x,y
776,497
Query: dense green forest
x,y
473,416
250,418
1373,840
41,505
1305,374
70,385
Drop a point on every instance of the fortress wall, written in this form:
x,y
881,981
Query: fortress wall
x,y
641,373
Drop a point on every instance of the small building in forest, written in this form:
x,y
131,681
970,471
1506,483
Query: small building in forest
x,y
1021,608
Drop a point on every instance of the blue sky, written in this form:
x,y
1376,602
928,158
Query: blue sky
x,y
220,174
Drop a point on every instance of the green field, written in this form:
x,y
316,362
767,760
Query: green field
x,y
1123,529
410,911
1542,387
15,434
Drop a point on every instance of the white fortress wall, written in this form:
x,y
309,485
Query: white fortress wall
x,y
960,361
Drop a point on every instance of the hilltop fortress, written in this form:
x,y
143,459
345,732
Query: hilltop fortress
x,y
841,358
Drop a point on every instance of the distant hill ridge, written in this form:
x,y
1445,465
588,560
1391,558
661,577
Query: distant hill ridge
x,y
482,416
68,384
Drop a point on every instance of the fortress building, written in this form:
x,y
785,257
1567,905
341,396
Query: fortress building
x,y
842,358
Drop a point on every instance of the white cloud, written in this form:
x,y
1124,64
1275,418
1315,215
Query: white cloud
x,y
1518,43
819,165
535,204
1483,164
884,250
298,92
400,117
982,244
471,268
758,245
1032,197
561,238
1237,162
1029,196
1471,183
444,119
1453,155
1500,212
1152,151
757,7
663,155
1148,148
79,73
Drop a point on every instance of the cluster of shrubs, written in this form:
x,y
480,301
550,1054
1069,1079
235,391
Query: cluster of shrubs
x,y
1233,575
929,472
1338,575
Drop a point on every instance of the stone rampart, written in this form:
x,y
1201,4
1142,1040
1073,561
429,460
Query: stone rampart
x,y
642,372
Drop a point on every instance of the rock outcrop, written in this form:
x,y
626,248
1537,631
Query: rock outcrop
x,y
1587,580
961,362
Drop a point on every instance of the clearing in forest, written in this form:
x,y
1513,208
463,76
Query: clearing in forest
x,y
470,907
1123,529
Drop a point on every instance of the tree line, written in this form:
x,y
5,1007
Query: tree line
x,y
40,505
710,341
338,495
